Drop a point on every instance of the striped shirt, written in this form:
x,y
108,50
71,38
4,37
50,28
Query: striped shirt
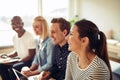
x,y
96,70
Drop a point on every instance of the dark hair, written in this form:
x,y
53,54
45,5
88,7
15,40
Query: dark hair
x,y
17,18
64,24
97,39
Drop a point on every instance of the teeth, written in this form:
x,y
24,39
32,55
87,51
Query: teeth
x,y
16,28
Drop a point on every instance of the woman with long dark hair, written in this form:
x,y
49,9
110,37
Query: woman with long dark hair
x,y
89,57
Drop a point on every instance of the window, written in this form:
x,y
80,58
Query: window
x,y
55,8
27,9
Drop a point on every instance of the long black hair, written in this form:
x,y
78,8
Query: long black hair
x,y
97,40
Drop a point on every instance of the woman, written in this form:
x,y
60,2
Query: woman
x,y
42,60
89,57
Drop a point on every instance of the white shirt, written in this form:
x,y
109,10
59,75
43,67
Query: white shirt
x,y
24,43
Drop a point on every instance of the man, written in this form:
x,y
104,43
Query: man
x,y
24,44
59,30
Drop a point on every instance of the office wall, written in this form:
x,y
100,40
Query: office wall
x,y
105,13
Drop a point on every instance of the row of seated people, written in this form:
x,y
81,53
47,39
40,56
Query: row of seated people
x,y
70,54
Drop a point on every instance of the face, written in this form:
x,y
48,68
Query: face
x,y
37,28
57,35
73,39
17,24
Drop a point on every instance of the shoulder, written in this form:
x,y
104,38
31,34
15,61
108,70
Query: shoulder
x,y
72,56
100,65
100,69
15,36
100,62
30,35
27,33
48,42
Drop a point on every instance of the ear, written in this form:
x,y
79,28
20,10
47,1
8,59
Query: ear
x,y
85,40
65,32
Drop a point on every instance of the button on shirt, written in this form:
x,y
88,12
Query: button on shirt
x,y
59,61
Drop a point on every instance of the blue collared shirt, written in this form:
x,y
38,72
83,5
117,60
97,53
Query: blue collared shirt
x,y
44,56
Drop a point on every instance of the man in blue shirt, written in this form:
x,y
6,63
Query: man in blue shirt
x,y
59,30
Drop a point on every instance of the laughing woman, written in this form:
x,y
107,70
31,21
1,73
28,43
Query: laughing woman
x,y
89,57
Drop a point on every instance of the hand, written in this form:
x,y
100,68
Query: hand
x,y
4,56
25,71
44,75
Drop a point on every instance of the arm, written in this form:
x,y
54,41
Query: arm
x,y
30,56
35,63
30,71
33,70
12,54
49,51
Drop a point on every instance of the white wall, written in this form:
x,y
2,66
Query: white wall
x,y
105,13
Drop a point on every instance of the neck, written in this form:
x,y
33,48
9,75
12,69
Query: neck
x,y
84,59
20,33
63,43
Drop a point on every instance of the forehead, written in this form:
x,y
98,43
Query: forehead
x,y
16,20
36,23
55,26
74,29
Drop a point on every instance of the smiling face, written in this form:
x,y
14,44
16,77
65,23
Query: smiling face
x,y
37,28
57,35
74,40
17,24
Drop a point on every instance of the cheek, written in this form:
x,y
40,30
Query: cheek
x,y
55,35
40,28
36,31
73,43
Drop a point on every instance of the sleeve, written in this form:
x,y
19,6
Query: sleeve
x,y
100,73
68,75
35,60
54,67
32,42
49,51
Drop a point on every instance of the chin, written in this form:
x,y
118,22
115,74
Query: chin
x,y
54,42
69,48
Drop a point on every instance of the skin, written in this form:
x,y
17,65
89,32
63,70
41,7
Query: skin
x,y
37,27
17,26
81,48
73,40
58,37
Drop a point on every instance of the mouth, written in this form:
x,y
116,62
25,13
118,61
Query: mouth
x,y
53,39
16,29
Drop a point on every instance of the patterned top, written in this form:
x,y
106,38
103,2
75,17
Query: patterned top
x,y
60,55
96,70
